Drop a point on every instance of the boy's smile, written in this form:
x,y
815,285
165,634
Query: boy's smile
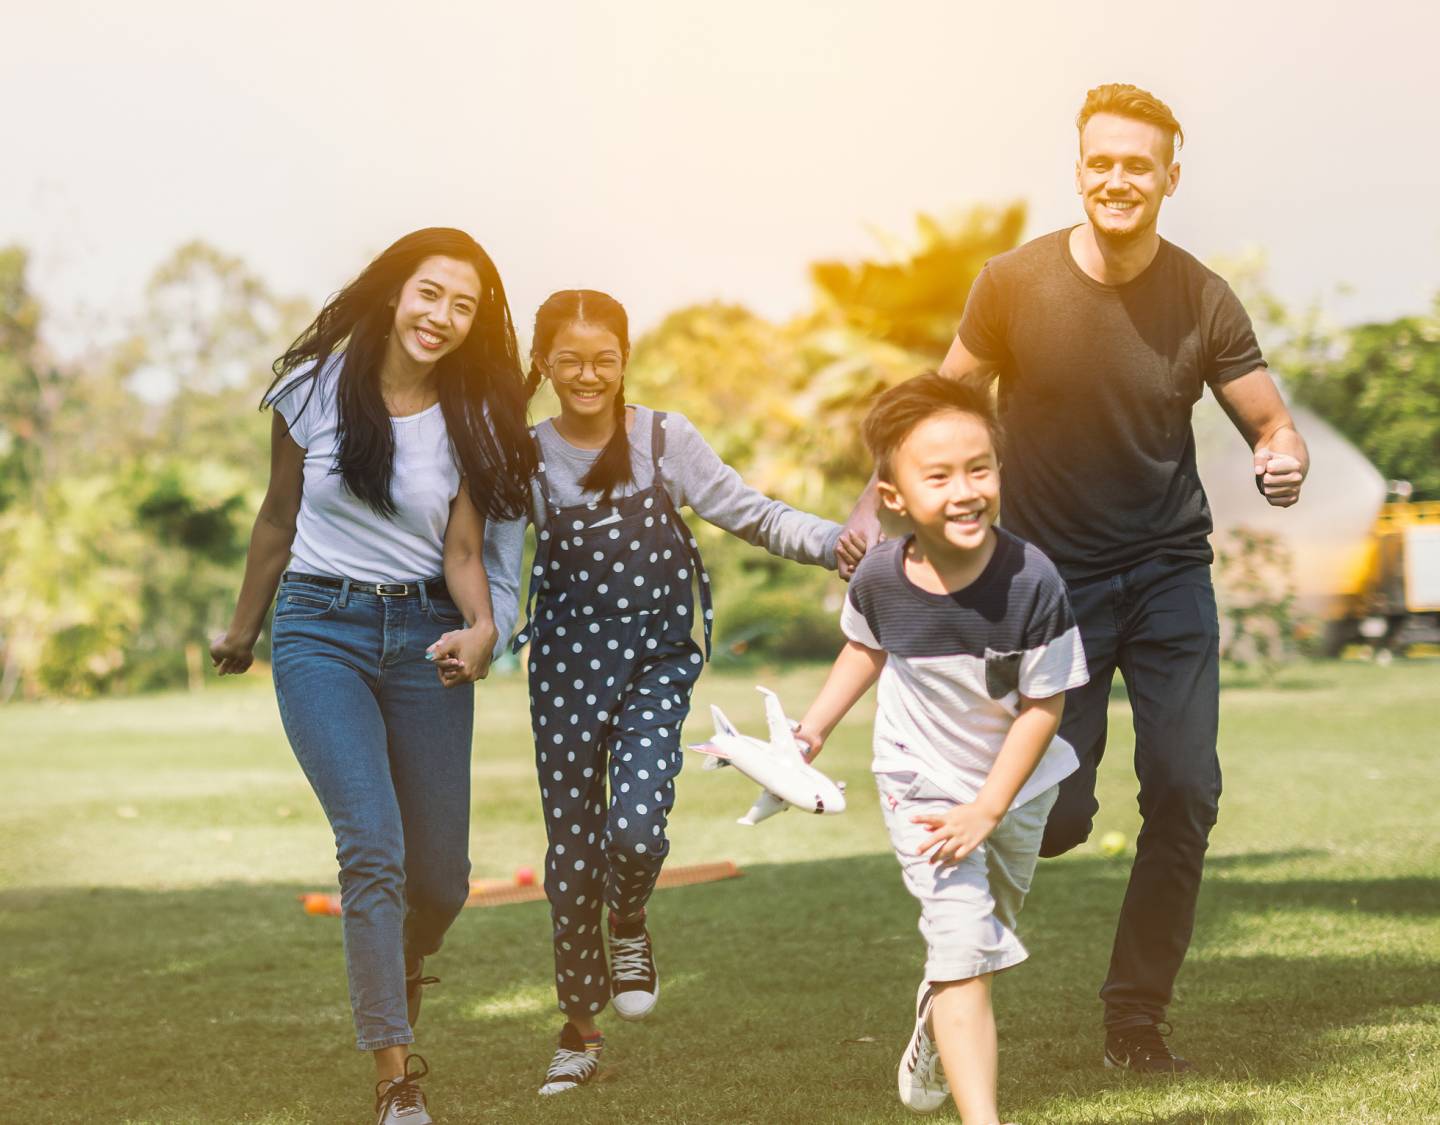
x,y
947,481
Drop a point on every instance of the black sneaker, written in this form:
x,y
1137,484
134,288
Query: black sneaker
x,y
1143,1049
414,982
400,1101
576,1061
634,982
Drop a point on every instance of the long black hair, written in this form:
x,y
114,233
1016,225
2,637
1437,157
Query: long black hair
x,y
482,392
589,306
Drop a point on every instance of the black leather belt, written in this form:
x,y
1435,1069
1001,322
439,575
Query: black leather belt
x,y
434,587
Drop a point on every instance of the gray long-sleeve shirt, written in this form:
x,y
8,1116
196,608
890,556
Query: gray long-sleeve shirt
x,y
692,474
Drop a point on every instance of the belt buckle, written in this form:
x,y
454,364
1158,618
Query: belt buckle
x,y
392,589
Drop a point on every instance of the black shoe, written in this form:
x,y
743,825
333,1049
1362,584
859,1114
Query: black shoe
x,y
1143,1049
634,980
414,982
401,1102
576,1061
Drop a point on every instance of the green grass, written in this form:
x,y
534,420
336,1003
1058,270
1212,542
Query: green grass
x,y
157,967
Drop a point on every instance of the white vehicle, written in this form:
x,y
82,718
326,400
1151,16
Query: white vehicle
x,y
777,766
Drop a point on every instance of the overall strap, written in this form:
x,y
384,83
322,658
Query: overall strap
x,y
657,441
687,540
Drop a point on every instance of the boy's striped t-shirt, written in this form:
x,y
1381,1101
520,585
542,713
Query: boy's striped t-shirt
x,y
958,663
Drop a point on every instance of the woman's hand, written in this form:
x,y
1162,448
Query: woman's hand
x,y
463,656
232,655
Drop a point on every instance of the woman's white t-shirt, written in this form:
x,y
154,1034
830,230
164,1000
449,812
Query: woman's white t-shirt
x,y
337,534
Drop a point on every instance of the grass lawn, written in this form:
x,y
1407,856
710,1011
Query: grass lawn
x,y
158,968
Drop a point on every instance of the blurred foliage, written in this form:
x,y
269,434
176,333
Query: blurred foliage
x,y
124,515
1381,389
1255,589
784,403
129,477
1378,384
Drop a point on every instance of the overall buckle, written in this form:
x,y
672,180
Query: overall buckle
x,y
392,589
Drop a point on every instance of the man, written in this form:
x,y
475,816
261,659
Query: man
x,y
1102,338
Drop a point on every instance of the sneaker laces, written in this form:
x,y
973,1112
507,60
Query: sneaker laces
x,y
403,1092
1148,1040
927,1062
576,1065
630,958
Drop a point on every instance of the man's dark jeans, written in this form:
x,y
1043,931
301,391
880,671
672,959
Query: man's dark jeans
x,y
1157,623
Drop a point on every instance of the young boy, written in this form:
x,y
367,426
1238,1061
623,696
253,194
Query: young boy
x,y
969,631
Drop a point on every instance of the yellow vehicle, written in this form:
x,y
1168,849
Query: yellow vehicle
x,y
1398,602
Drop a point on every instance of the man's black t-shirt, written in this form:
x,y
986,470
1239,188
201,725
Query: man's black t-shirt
x,y
1097,383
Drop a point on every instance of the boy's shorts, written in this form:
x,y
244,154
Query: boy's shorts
x,y
967,909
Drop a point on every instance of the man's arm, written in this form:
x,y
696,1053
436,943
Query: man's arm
x,y
864,520
1281,458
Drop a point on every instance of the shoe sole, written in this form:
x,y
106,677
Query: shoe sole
x,y
636,1017
1111,1064
901,1074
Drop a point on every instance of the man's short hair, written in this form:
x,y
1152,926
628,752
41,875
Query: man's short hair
x,y
1125,100
903,407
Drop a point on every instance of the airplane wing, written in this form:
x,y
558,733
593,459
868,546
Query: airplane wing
x,y
782,736
766,805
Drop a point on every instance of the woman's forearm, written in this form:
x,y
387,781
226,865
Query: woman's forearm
x,y
265,561
467,582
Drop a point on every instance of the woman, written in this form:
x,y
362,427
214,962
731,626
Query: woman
x,y
399,430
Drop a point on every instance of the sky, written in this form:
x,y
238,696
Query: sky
x,y
673,152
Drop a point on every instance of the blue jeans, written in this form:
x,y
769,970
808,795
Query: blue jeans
x,y
387,750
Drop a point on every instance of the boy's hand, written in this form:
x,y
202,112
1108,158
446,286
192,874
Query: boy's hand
x,y
463,656
812,742
850,548
957,832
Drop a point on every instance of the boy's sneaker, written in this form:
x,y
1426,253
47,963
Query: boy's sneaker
x,y
415,981
400,1101
576,1061
1143,1049
923,1087
634,983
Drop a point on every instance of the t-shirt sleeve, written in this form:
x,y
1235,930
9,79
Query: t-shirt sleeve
x,y
290,400
1231,347
1054,658
982,325
854,625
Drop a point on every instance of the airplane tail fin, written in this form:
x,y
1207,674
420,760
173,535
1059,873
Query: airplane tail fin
x,y
715,758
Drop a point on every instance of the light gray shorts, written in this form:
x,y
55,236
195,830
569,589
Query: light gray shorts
x,y
967,909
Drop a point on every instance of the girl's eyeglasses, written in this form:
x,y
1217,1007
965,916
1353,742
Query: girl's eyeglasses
x,y
567,368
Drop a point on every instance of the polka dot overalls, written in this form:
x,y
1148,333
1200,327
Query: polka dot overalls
x,y
612,665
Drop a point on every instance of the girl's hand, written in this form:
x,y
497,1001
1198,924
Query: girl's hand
x,y
849,550
230,656
957,832
463,656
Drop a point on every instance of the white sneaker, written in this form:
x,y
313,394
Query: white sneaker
x,y
634,981
923,1087
574,1064
400,1101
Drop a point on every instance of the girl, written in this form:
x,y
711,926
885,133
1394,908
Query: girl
x,y
399,429
612,661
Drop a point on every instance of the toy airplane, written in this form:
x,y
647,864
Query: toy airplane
x,y
777,766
